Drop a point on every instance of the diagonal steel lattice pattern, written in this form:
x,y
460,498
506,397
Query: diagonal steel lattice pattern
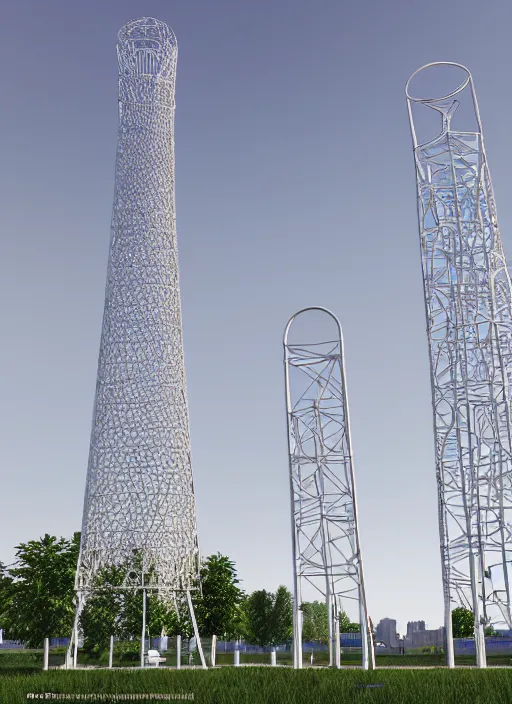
x,y
326,550
139,497
469,324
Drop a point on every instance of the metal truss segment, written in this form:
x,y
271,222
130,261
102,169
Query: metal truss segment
x,y
326,548
468,300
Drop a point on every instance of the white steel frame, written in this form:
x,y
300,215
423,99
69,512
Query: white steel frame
x,y
139,496
468,304
325,536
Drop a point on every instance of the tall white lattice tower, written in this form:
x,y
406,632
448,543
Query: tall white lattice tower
x,y
139,496
327,558
468,300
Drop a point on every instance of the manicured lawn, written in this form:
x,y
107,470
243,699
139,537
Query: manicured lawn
x,y
20,674
273,686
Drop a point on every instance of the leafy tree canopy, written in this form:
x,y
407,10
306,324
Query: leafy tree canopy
x,y
269,617
348,626
40,599
111,610
6,583
315,621
118,612
463,623
217,601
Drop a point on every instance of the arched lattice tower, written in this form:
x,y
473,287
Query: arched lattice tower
x,y
139,507
469,325
325,536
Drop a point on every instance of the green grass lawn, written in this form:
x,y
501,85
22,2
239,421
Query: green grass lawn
x,y
271,686
20,674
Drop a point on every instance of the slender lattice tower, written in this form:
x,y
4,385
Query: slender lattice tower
x,y
139,507
469,326
325,537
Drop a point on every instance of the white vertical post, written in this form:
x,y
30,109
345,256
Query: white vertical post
x,y
450,655
483,655
328,600
111,652
196,632
481,659
371,644
68,662
75,650
337,647
143,638
297,634
213,652
74,634
236,656
178,652
297,596
46,653
273,658
365,627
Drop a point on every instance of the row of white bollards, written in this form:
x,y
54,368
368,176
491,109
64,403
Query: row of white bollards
x,y
236,654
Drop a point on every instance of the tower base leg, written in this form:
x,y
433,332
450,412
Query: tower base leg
x,y
196,632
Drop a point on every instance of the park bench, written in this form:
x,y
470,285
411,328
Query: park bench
x,y
153,658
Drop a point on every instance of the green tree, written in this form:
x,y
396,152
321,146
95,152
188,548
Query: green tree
x,y
350,627
100,617
463,623
240,621
112,610
282,618
269,617
315,624
346,625
6,589
258,611
41,600
217,602
315,621
161,616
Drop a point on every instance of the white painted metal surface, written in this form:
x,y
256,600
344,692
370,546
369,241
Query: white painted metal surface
x,y
469,326
325,536
139,507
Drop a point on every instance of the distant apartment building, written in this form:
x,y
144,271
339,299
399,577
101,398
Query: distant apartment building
x,y
386,632
415,626
419,637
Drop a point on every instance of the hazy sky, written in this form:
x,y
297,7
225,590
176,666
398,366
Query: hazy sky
x,y
295,187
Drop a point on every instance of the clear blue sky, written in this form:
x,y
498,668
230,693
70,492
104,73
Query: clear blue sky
x,y
295,186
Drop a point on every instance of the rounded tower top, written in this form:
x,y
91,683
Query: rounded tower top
x,y
465,75
147,47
